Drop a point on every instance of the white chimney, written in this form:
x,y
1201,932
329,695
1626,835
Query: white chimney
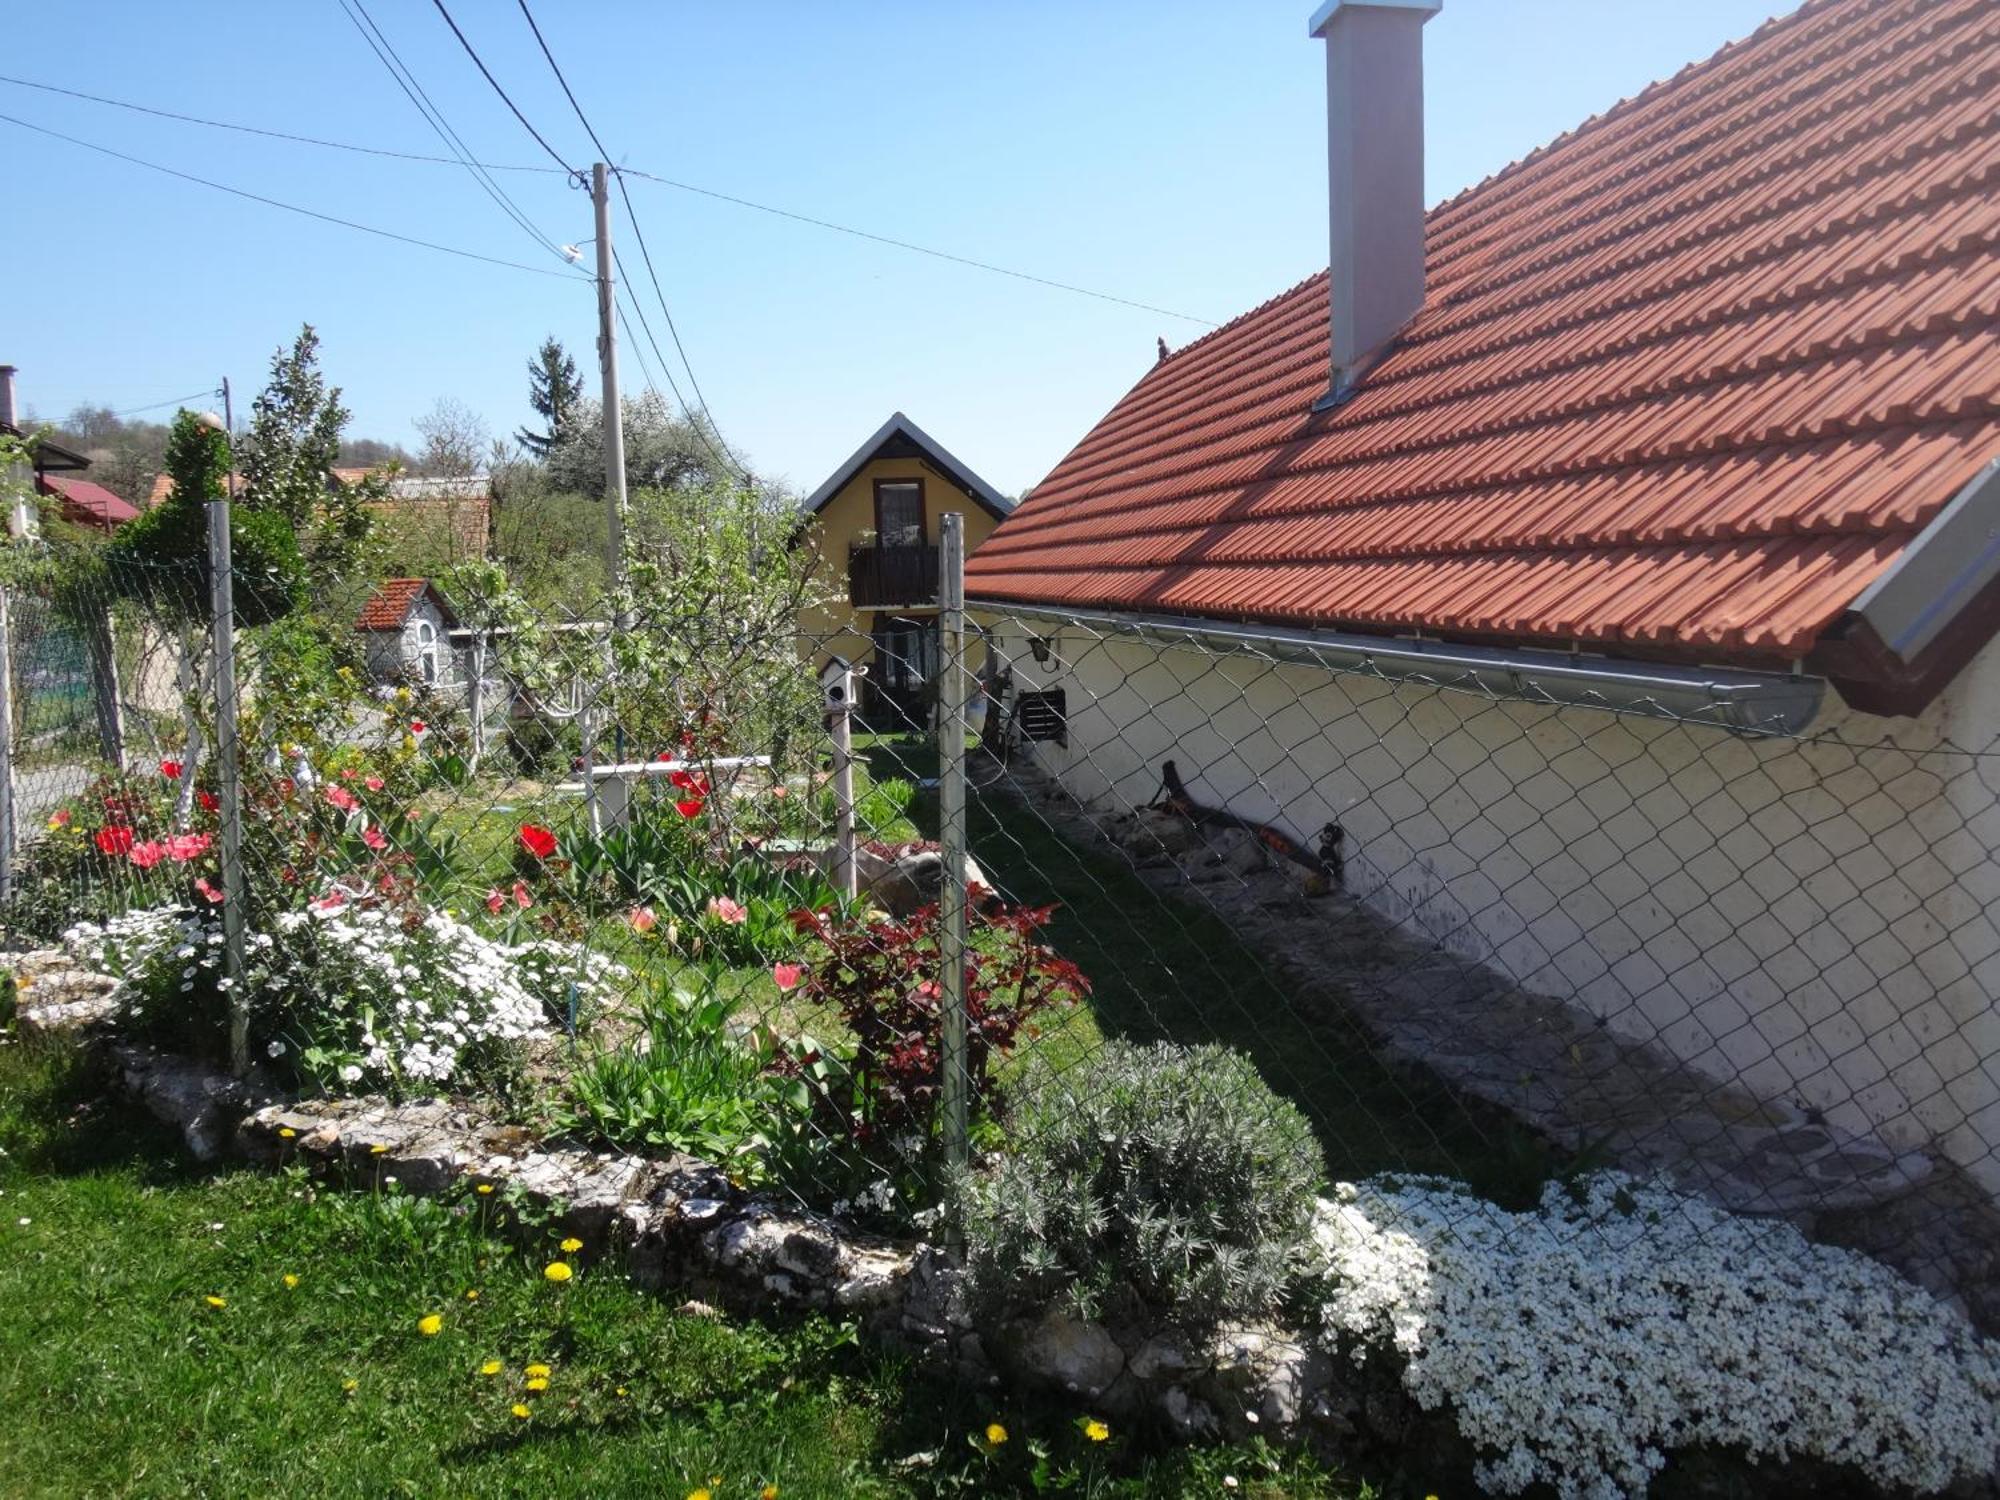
x,y
1375,176
7,396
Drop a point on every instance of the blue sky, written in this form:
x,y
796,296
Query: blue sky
x,y
1169,153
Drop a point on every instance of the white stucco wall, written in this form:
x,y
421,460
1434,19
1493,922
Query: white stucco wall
x,y
393,655
1808,916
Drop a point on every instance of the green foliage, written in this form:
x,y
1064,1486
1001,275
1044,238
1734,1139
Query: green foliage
x,y
161,559
1159,1179
690,1081
554,392
288,455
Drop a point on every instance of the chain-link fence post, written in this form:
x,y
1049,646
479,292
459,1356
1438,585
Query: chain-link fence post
x,y
9,836
838,686
228,780
952,834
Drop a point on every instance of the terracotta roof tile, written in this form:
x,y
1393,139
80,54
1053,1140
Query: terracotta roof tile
x,y
389,606
1690,376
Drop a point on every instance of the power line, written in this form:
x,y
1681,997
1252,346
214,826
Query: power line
x,y
223,187
500,91
728,459
406,80
883,239
276,135
685,187
133,411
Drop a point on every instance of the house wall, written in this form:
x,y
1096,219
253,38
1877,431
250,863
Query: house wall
x,y
1806,916
392,655
839,629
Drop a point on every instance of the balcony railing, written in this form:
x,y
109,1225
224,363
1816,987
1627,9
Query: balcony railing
x,y
880,577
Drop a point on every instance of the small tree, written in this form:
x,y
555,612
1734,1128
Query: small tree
x,y
288,459
553,391
663,450
455,440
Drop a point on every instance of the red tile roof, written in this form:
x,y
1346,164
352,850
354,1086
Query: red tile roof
x,y
87,504
1686,379
390,605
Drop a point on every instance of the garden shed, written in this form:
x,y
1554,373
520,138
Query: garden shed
x,y
406,628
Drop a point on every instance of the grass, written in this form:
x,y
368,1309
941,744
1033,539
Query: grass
x,y
1162,969
121,1379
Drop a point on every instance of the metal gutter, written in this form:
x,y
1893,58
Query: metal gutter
x,y
1765,703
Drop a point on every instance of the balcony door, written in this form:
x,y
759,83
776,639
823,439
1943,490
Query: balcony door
x,y
899,512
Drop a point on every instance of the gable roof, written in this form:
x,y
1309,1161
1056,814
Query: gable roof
x,y
86,503
899,437
388,608
1686,381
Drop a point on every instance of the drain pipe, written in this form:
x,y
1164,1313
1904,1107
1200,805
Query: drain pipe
x,y
1743,702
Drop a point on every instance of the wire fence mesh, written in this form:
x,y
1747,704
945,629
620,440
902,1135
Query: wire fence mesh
x,y
642,878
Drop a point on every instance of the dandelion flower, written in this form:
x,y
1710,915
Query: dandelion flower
x,y
699,1495
619,1392
770,1491
378,1149
522,1410
285,1132
472,1294
350,1386
995,1434
290,1281
1095,1430
216,1301
491,1367
430,1325
539,1383
536,1372
571,1245
483,1188
557,1270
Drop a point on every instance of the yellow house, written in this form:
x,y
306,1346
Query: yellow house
x,y
875,523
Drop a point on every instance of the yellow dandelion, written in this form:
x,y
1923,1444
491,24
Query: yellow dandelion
x,y
522,1410
699,1495
536,1372
557,1270
350,1386
619,1392
539,1383
286,1133
995,1434
570,1246
290,1281
378,1149
472,1294
430,1325
491,1367
483,1188
1095,1430
769,1492
216,1301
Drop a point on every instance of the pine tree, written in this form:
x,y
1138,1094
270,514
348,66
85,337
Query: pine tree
x,y
553,391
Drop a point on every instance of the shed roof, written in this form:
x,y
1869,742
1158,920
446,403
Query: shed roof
x,y
389,607
1686,381
86,503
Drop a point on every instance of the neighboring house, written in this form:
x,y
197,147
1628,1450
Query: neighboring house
x,y
407,628
86,504
456,515
877,532
1694,411
57,471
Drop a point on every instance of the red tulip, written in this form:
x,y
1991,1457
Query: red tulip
x,y
115,838
537,840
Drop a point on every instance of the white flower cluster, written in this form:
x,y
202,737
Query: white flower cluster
x,y
125,946
412,994
1579,1342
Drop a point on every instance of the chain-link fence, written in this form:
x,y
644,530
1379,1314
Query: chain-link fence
x,y
672,875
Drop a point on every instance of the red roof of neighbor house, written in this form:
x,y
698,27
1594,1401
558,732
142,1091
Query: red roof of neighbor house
x,y
390,605
86,503
1686,379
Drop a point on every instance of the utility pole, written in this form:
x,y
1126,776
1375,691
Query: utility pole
x,y
229,431
607,360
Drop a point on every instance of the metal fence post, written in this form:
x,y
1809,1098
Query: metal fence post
x,y
951,834
229,785
8,833
840,709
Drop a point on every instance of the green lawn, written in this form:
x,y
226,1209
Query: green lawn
x,y
120,1378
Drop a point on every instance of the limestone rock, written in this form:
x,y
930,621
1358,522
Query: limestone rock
x,y
1077,1356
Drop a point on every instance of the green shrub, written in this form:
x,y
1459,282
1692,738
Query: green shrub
x,y
688,1082
1158,1180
